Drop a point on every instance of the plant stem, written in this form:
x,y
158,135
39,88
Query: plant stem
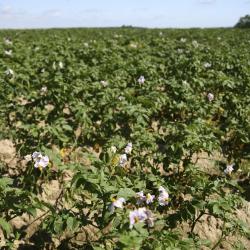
x,y
195,221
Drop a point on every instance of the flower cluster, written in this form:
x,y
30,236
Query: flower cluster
x,y
148,198
140,215
41,161
144,214
163,197
137,215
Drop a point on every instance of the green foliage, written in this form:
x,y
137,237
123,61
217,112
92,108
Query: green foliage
x,y
74,94
244,22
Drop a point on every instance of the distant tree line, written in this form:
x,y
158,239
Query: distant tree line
x,y
244,22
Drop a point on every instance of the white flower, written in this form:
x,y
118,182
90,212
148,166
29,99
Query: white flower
x,y
122,160
113,149
121,98
7,41
140,198
138,215
207,65
183,40
229,169
128,148
28,157
42,162
9,72
8,52
195,44
149,198
60,65
163,196
210,97
180,51
44,89
86,44
36,155
160,33
133,45
116,203
104,83
141,80
99,122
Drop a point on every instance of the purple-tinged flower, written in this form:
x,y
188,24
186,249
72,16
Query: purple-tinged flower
x,y
128,148
116,203
163,196
123,160
140,198
138,215
149,198
42,162
36,155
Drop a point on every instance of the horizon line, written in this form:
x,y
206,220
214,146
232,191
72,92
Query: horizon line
x,y
113,27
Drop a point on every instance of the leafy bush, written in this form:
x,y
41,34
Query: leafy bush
x,y
244,22
122,114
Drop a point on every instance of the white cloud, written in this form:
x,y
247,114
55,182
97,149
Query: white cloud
x,y
206,1
6,10
53,13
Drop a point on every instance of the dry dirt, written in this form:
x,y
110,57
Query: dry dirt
x,y
208,228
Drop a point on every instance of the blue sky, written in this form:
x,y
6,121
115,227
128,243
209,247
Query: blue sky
x,y
102,13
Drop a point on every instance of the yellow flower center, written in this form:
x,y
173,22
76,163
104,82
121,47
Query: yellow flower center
x,y
136,219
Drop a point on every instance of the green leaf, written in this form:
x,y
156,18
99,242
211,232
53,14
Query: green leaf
x,y
126,193
58,225
6,227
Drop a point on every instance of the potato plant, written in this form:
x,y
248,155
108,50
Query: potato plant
x,y
117,118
